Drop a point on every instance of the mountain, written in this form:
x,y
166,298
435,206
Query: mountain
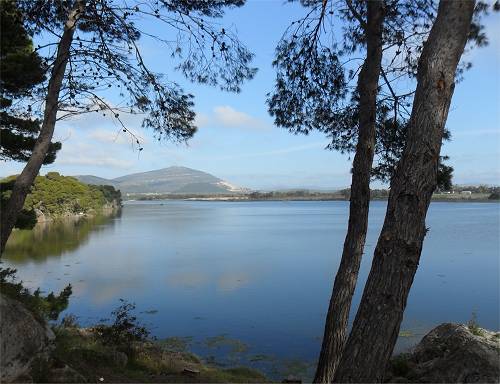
x,y
89,179
167,180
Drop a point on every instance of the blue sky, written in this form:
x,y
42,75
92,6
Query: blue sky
x,y
238,142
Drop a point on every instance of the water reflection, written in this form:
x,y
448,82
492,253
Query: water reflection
x,y
258,272
53,239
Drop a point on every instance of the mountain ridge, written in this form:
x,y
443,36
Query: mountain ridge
x,y
174,179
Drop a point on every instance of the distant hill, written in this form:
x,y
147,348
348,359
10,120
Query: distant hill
x,y
94,180
167,180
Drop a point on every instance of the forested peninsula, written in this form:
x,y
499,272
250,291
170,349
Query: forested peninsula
x,y
54,196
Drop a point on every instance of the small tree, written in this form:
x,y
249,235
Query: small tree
x,y
125,330
91,46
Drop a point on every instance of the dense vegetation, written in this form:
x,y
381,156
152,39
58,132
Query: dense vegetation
x,y
43,307
56,196
21,71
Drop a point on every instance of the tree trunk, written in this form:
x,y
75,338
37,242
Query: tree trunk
x,y
397,254
25,180
334,337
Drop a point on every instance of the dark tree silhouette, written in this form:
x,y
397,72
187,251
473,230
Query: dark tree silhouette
x,y
92,46
376,326
340,85
21,69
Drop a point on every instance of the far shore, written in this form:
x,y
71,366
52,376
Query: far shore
x,y
301,196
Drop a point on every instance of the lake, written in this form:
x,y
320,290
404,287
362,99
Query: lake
x,y
249,282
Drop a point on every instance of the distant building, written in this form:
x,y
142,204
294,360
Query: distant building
x,y
466,193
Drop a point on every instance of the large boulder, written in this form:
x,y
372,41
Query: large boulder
x,y
451,353
23,339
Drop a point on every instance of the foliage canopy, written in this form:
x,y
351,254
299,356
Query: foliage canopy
x,y
56,196
318,61
43,307
21,70
105,54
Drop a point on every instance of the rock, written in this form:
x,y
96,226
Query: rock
x,y
292,379
23,339
85,332
190,372
65,374
452,353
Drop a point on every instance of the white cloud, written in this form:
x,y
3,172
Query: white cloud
x,y
105,119
230,117
106,136
201,120
227,116
95,161
116,137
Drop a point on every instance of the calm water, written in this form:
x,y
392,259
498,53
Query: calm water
x,y
249,282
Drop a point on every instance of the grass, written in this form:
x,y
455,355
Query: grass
x,y
121,350
150,362
220,341
406,333
474,326
177,344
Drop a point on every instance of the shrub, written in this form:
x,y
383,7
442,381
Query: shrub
x,y
43,307
494,195
125,329
474,326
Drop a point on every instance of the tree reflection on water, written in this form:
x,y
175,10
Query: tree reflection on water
x,y
53,238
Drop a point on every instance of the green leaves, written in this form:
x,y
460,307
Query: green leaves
x,y
22,70
105,54
55,196
43,307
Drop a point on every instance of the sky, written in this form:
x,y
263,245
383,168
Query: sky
x,y
237,140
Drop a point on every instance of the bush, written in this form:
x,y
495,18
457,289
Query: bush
x,y
494,195
125,329
26,218
43,307
474,327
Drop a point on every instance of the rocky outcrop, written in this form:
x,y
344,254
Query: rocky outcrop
x,y
64,374
451,353
108,209
23,339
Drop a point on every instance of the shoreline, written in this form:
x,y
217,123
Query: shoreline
x,y
246,199
106,210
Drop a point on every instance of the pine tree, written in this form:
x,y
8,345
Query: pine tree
x,y
93,47
21,70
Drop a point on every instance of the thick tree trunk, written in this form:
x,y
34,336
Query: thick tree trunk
x,y
25,180
334,337
397,254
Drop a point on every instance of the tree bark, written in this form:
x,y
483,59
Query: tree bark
x,y
25,180
399,246
334,337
